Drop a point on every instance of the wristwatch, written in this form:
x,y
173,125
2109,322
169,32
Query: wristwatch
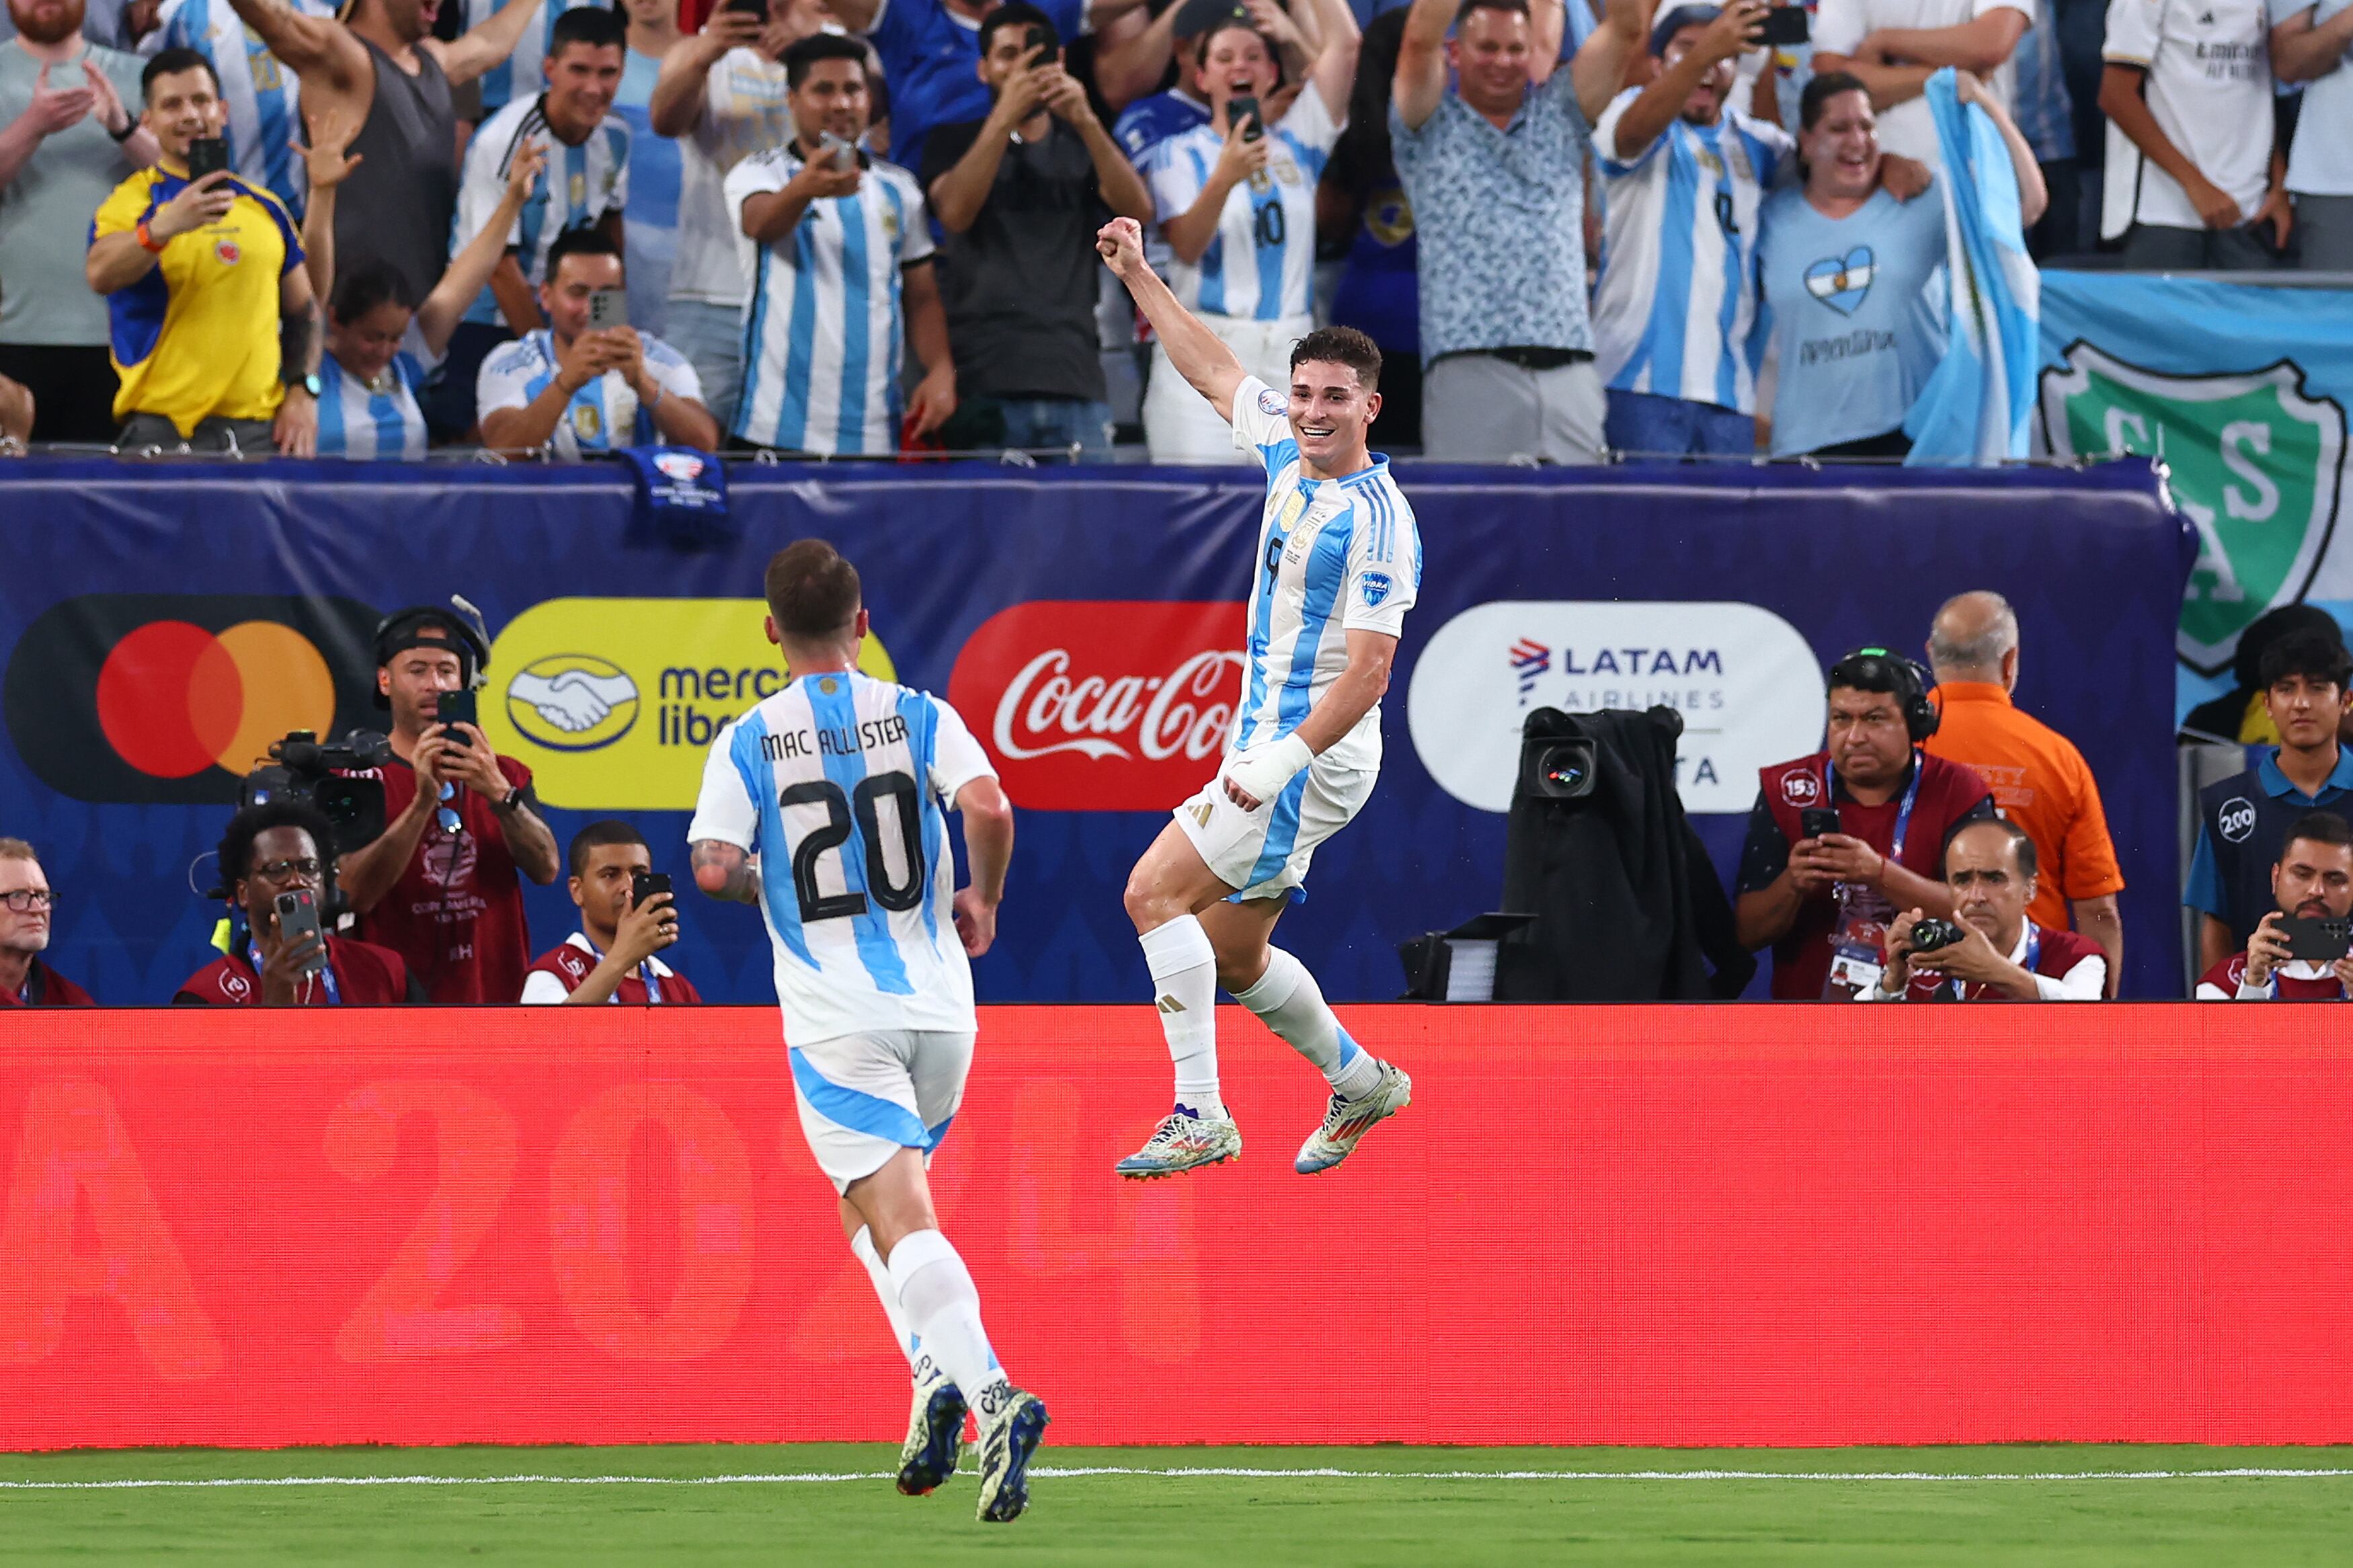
x,y
508,805
308,381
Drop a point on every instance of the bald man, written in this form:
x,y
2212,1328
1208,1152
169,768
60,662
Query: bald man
x,y
2040,780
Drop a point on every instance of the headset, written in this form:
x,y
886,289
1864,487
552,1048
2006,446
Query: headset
x,y
1911,681
462,632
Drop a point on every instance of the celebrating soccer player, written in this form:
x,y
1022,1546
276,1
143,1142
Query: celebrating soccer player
x,y
839,785
1337,565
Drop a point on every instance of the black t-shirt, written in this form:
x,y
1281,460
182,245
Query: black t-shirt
x,y
1020,284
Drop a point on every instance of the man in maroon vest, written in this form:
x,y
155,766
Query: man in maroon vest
x,y
1823,899
27,904
2313,879
2001,955
271,848
612,957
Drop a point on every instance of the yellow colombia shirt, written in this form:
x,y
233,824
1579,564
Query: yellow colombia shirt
x,y
198,335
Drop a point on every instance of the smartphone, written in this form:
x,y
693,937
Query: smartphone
x,y
2318,939
1785,26
644,885
459,708
1816,820
1049,47
841,153
298,914
1245,107
607,307
749,7
207,155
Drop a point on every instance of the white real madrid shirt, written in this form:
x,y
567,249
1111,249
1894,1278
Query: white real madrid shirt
x,y
603,415
2210,89
1333,557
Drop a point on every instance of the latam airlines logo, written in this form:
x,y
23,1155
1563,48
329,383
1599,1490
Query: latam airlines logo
x,y
1102,706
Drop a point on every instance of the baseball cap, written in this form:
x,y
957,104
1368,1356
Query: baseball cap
x,y
1195,17
1677,18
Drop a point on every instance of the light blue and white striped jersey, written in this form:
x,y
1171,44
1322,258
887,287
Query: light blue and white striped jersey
x,y
524,73
1676,312
579,185
603,415
379,419
262,97
1333,557
652,218
824,331
1261,266
841,784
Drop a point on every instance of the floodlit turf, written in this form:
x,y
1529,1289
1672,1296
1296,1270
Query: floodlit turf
x,y
2060,1505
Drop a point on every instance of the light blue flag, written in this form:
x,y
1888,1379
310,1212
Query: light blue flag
x,y
1976,406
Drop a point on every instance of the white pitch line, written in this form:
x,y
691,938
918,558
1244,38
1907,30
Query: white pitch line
x,y
1179,1473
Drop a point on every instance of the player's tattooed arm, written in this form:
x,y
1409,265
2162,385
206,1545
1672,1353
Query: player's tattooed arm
x,y
725,872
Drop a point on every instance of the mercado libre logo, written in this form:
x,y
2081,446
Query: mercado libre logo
x,y
170,698
614,702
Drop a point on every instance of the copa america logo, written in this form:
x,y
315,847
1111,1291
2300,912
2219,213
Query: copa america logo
x,y
679,466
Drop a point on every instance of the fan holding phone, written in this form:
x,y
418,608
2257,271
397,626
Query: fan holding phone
x,y
627,917
2299,953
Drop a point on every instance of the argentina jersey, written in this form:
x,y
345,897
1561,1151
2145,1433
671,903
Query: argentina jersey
x,y
1333,557
605,415
579,186
840,783
1677,310
261,96
824,328
1261,265
372,419
524,71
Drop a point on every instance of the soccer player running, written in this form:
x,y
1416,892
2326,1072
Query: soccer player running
x,y
1337,566
839,785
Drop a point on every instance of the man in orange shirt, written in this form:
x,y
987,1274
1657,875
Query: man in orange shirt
x,y
2040,780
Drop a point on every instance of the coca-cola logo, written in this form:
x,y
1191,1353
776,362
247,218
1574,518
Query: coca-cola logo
x,y
1092,705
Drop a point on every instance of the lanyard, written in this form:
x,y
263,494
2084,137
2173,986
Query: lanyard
x,y
326,975
2033,956
1902,812
644,973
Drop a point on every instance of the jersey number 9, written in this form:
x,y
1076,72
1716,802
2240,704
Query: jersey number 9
x,y
840,810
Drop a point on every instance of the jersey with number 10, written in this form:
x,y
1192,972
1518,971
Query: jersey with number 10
x,y
840,783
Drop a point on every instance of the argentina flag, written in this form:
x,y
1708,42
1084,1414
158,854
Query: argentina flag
x,y
1975,406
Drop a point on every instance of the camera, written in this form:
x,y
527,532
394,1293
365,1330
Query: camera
x,y
303,767
1562,769
1929,935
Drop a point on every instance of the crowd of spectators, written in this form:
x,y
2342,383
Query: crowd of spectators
x,y
850,226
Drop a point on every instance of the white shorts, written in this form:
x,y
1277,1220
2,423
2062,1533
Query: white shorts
x,y
1265,852
863,1097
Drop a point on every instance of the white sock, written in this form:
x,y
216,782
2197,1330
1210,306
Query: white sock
x,y
1288,1001
937,1292
862,1244
1185,988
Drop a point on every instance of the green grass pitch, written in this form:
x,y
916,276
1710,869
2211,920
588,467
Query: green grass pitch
x,y
1421,1507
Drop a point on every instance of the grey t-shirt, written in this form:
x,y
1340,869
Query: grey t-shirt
x,y
44,211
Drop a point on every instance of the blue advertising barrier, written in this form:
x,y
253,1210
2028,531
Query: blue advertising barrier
x,y
159,625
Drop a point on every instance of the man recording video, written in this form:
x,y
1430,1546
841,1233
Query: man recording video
x,y
439,885
2291,956
280,884
627,917
1989,951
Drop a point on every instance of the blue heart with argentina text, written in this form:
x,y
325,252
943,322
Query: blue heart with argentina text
x,y
1841,281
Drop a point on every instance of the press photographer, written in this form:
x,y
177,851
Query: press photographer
x,y
439,885
1989,951
628,916
280,884
2292,956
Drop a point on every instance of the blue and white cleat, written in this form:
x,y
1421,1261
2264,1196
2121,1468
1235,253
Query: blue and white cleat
x,y
1012,1423
1346,1121
934,1431
1182,1141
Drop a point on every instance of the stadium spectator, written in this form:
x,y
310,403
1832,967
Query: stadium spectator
x,y
1495,169
215,332
1021,195
270,849
1360,206
1823,901
2193,172
28,906
1894,47
439,885
263,99
1236,201
1152,117
1845,270
2312,45
2003,954
524,72
67,136
574,388
589,153
822,362
380,66
2304,679
722,94
2039,781
2312,879
930,53
2045,113
650,219
381,342
615,954
2242,715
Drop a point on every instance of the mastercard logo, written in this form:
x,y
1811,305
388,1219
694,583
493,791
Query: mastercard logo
x,y
173,698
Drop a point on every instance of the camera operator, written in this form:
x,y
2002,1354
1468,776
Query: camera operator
x,y
270,849
611,958
2312,879
27,906
439,886
1823,901
1990,950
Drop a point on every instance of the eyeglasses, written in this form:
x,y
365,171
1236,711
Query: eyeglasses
x,y
281,870
25,901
